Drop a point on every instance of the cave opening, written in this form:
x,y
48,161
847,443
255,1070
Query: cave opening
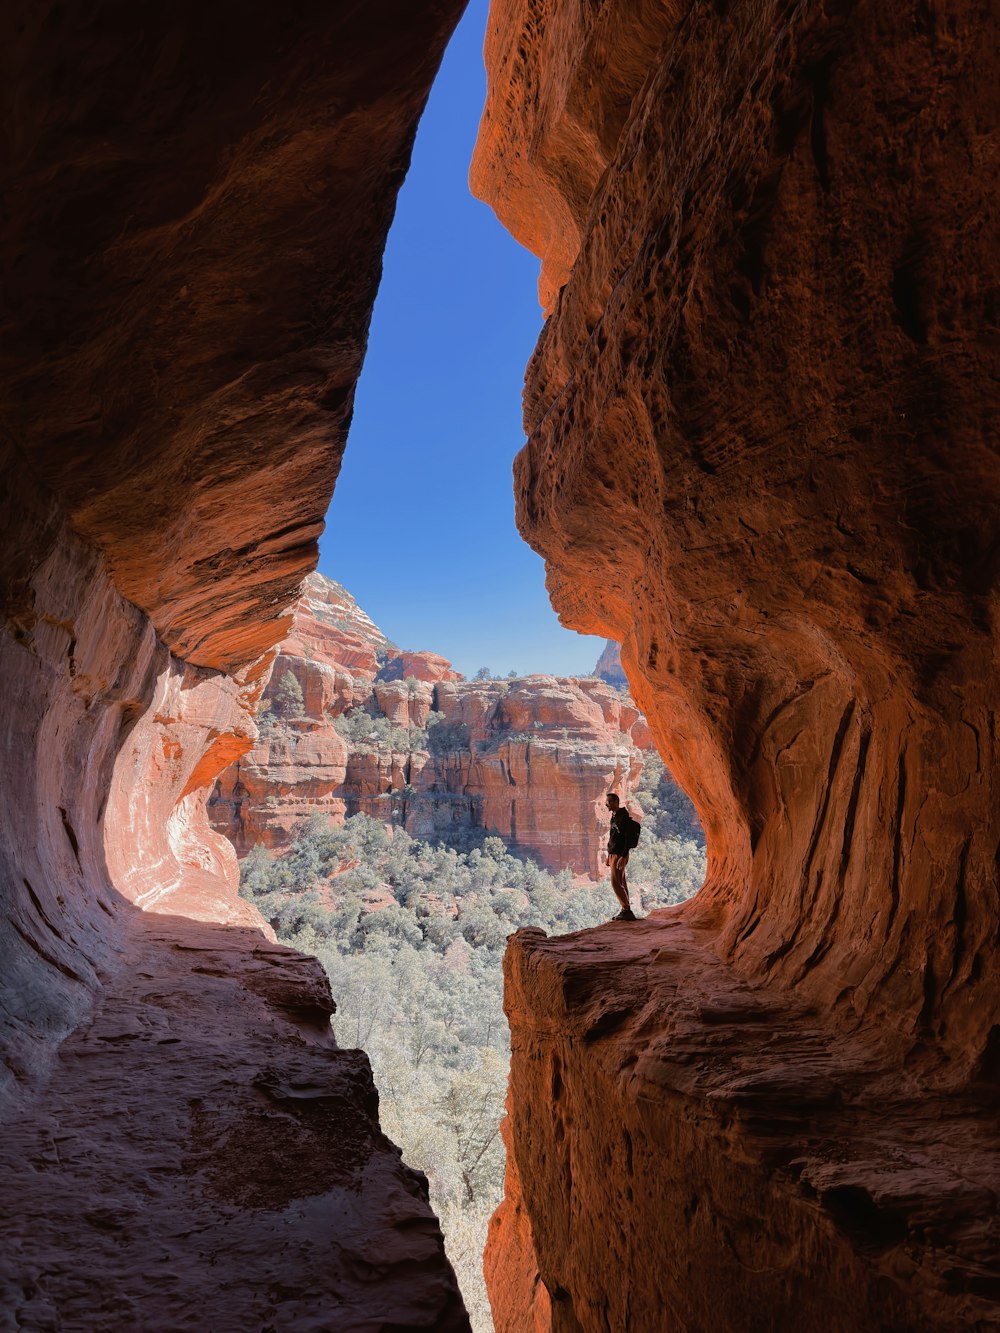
x,y
790,1096
396,820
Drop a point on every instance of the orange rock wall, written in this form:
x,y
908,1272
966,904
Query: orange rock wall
x,y
178,380
108,768
800,572
760,454
197,205
689,1151
540,755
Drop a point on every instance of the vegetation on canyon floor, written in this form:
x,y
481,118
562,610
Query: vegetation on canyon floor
x,y
412,936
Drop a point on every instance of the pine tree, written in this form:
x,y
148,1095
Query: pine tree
x,y
288,698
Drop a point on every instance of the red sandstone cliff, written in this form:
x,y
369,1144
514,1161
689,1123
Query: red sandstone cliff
x,y
196,202
761,455
609,665
530,759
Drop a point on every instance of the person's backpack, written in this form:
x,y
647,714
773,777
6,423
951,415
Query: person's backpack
x,y
630,831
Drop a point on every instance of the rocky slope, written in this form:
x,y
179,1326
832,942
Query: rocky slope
x,y
196,205
530,759
237,1168
762,456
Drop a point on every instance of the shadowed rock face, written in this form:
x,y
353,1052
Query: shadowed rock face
x,y
239,1148
196,202
762,455
182,329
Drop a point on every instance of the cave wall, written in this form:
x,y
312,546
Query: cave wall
x,y
196,203
761,454
182,330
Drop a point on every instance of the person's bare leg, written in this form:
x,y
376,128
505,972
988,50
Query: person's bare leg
x,y
618,880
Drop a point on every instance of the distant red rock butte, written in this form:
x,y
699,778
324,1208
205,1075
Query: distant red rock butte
x,y
537,759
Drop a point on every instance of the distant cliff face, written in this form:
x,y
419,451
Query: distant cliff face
x,y
402,737
609,665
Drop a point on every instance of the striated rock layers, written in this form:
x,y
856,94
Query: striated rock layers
x,y
530,759
762,456
196,201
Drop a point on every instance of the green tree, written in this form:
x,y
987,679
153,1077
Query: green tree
x,y
288,698
667,809
418,983
255,869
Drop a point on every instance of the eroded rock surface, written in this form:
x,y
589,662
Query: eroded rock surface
x,y
693,1152
205,1157
762,456
196,202
530,759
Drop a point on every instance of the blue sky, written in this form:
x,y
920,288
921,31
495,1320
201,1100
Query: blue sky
x,y
421,527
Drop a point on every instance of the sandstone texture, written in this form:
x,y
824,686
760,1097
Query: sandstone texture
x,y
237,1178
197,205
530,759
693,1152
761,455
196,202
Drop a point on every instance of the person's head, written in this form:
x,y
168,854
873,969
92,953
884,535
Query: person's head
x,y
612,802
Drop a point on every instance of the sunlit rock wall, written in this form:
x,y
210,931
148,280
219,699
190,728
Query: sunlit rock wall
x,y
762,455
531,759
761,451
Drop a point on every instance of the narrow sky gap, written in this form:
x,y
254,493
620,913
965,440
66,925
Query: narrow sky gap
x,y
421,527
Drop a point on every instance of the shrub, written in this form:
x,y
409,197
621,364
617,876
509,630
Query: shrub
x,y
288,698
443,736
361,730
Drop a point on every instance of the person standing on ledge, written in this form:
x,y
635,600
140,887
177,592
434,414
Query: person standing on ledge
x,y
618,850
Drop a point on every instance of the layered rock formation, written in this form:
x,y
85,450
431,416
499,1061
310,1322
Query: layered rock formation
x,y
761,455
530,759
196,204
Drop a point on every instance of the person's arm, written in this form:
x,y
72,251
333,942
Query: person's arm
x,y
615,834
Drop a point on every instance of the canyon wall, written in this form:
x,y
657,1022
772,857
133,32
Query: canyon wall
x,y
530,759
196,206
761,454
